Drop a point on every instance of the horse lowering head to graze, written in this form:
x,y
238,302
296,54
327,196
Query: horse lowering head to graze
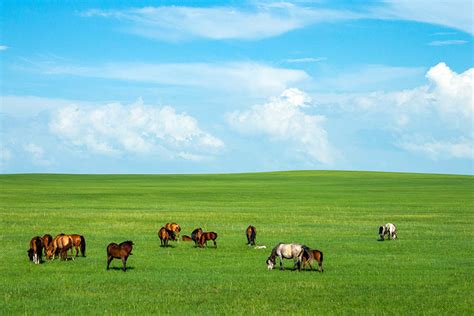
x,y
186,238
47,240
59,246
174,228
208,236
251,233
119,251
388,229
79,243
165,235
196,235
309,255
35,251
286,251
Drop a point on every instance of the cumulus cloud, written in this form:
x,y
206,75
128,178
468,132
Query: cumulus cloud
x,y
115,129
435,149
282,119
37,154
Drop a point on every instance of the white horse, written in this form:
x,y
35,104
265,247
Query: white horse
x,y
287,251
389,229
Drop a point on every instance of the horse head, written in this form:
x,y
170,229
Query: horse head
x,y
270,263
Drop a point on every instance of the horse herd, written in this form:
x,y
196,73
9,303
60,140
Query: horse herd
x,y
62,243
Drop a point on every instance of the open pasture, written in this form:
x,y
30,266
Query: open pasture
x,y
429,269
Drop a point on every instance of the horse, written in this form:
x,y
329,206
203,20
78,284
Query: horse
x,y
208,236
186,238
287,251
165,235
196,235
36,249
174,228
120,251
251,233
47,240
389,229
310,255
79,243
60,245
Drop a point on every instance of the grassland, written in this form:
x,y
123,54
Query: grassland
x,y
429,270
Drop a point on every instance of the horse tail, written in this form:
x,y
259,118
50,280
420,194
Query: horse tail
x,y
83,246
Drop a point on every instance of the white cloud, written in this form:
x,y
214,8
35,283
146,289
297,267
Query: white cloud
x,y
447,42
3,47
305,60
5,156
455,14
283,120
252,77
114,129
435,149
37,154
218,23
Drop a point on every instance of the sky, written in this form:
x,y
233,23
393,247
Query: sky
x,y
236,86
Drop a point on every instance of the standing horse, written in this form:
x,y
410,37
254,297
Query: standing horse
x,y
310,255
174,228
208,236
36,249
251,233
196,235
121,251
79,242
47,240
287,251
389,229
165,235
60,245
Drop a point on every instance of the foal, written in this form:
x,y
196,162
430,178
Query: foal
x,y
251,233
208,236
120,251
165,235
310,255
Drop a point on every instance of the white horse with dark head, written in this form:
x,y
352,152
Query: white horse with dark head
x,y
286,251
388,229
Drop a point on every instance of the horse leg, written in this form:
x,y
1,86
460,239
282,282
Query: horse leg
x,y
109,259
215,243
281,264
124,262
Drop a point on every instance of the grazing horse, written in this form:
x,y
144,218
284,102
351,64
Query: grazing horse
x,y
389,229
47,240
186,238
60,245
121,251
208,236
79,243
196,235
174,228
165,235
36,249
251,233
310,255
287,251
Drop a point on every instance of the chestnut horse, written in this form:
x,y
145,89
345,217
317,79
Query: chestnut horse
x,y
165,235
79,243
36,249
174,228
196,235
186,238
310,255
251,233
208,236
120,251
47,240
60,245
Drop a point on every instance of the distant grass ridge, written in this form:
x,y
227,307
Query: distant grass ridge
x,y
428,270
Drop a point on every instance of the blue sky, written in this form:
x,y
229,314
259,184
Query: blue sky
x,y
234,86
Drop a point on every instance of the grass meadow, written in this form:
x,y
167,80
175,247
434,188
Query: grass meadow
x,y
428,270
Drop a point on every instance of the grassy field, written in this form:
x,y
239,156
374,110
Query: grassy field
x,y
428,270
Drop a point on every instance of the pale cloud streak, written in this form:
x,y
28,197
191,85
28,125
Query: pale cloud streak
x,y
447,42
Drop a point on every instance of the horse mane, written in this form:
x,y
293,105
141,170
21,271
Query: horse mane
x,y
273,254
126,242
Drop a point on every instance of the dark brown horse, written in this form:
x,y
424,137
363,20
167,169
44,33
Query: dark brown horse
x,y
36,249
310,255
47,240
120,251
174,228
208,236
165,235
196,235
60,246
186,238
251,233
79,243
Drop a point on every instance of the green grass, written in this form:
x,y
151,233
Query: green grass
x,y
428,270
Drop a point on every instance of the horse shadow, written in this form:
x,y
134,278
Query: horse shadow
x,y
120,268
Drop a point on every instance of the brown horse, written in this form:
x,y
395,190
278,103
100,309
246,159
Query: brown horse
x,y
79,243
310,255
186,238
196,235
60,245
174,228
251,233
208,236
36,249
47,240
165,235
121,251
